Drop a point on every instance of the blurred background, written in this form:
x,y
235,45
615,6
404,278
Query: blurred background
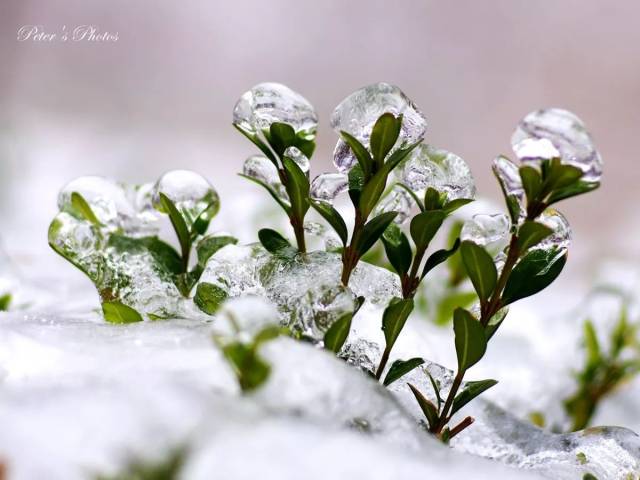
x,y
161,96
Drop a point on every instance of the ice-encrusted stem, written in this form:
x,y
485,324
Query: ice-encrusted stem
x,y
350,257
296,223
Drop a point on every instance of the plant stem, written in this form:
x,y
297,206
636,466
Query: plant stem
x,y
461,426
350,256
444,414
298,229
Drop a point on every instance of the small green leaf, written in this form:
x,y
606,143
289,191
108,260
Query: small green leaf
x,y
531,182
258,143
577,188
305,145
471,391
373,230
116,312
397,248
428,408
454,205
272,192
394,318
400,368
210,244
561,176
356,184
531,233
438,257
471,343
436,389
432,199
361,153
334,219
424,227
534,272
384,136
163,253
338,333
275,243
480,268
178,222
589,476
297,188
5,301
281,136
209,297
202,221
249,368
81,206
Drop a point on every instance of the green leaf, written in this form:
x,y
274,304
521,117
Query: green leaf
x,y
428,408
432,199
305,145
577,188
356,184
424,227
202,221
179,225
163,253
275,243
373,230
400,368
334,219
394,318
534,272
450,302
209,297
471,343
531,182
80,205
361,153
397,248
471,391
436,389
560,176
480,268
454,205
259,143
5,301
297,188
531,233
210,244
281,136
438,257
271,191
374,187
116,312
249,368
384,136
338,333
592,345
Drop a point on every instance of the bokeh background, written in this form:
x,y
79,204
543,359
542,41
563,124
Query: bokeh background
x,y
161,96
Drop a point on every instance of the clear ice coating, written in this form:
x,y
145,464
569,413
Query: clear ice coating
x,y
116,207
300,158
428,166
267,103
263,169
561,236
487,230
331,241
397,200
191,193
509,176
357,114
556,132
327,186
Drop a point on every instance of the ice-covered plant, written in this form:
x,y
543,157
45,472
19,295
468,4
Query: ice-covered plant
x,y
379,127
109,231
167,468
5,301
604,370
510,258
282,124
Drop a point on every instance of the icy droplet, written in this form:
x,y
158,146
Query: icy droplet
x,y
556,132
428,166
191,193
509,176
267,103
486,230
397,200
357,114
328,186
300,158
328,236
561,236
263,169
